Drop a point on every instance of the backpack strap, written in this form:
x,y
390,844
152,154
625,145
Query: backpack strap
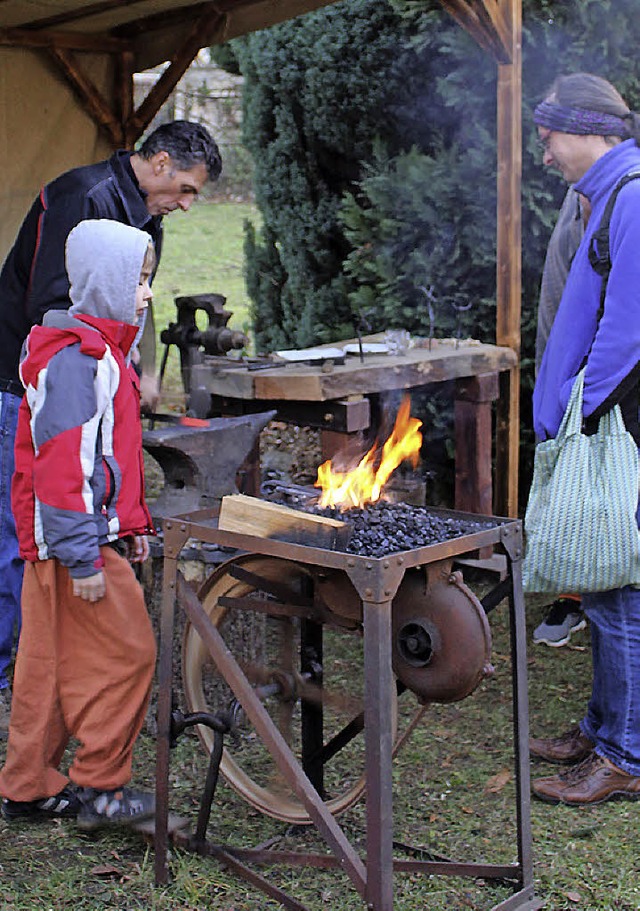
x,y
626,395
599,247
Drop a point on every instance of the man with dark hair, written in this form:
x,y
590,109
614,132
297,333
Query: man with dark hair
x,y
134,188
186,143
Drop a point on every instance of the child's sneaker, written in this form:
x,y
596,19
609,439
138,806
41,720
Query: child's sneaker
x,y
122,806
64,805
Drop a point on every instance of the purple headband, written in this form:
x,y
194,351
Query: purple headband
x,y
580,121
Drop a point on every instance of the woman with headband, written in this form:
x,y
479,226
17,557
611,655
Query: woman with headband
x,y
591,137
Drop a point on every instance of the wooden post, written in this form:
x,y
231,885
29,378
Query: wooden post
x,y
497,27
508,304
473,398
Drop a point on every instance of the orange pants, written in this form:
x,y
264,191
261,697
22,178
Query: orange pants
x,y
82,670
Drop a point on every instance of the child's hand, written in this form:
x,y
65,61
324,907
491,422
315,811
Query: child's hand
x,y
149,391
90,589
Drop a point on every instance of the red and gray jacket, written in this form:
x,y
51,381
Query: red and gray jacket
x,y
79,478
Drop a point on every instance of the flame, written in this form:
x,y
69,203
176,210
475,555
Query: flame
x,y
364,483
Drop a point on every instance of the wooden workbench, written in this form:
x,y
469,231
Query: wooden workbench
x,y
336,398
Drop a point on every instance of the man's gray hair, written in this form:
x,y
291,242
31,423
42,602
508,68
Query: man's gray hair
x,y
187,144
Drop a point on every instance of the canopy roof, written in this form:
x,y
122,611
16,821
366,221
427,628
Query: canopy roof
x,y
139,34
149,29
135,34
66,98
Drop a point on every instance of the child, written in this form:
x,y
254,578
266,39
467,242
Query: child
x,y
87,651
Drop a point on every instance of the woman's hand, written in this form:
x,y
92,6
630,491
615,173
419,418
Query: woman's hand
x,y
138,548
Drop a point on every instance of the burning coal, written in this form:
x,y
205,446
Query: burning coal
x,y
385,528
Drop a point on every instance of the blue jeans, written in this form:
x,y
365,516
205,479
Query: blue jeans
x,y
612,721
11,565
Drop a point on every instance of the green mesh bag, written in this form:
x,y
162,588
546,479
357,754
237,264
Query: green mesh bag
x,y
581,533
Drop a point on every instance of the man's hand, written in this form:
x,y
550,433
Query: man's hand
x,y
90,589
149,391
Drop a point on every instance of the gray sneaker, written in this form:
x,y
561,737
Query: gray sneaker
x,y
565,617
5,711
123,806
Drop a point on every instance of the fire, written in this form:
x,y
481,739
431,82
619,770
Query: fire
x,y
363,484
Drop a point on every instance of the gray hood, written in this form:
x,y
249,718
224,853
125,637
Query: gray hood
x,y
104,259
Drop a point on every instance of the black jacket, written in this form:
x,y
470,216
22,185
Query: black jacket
x,y
33,278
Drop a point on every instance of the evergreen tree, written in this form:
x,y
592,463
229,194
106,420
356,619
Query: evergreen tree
x,y
372,128
318,92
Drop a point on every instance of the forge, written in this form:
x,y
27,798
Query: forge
x,y
311,718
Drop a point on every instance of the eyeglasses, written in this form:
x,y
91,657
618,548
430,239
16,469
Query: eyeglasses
x,y
544,141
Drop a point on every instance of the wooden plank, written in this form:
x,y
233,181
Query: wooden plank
x,y
263,519
473,485
123,92
378,373
235,383
507,436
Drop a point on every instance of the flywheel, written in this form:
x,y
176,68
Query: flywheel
x,y
306,663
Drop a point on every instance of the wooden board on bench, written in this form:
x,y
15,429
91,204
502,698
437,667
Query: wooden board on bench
x,y
263,519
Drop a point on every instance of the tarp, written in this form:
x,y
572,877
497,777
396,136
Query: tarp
x,y
43,131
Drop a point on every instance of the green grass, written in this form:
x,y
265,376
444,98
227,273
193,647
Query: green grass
x,y
585,859
202,254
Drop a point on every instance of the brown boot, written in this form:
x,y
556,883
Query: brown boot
x,y
568,748
592,781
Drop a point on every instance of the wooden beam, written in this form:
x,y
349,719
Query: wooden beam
x,y
468,20
123,92
90,98
480,27
83,12
97,42
509,268
251,17
199,36
169,18
156,34
490,14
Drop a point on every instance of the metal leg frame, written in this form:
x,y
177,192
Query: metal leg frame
x,y
374,882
